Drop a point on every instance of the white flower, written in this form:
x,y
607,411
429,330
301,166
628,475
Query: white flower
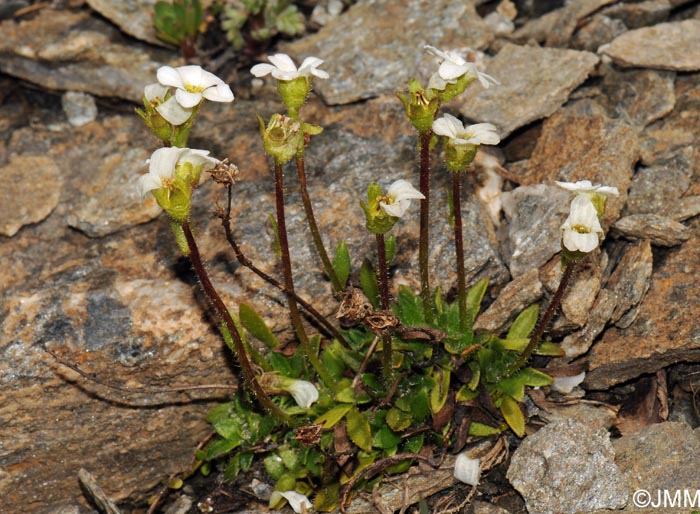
x,y
582,227
452,67
163,164
283,68
172,111
399,196
297,501
586,187
192,83
566,384
467,470
479,134
303,392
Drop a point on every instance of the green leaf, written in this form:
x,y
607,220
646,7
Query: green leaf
x,y
242,461
221,447
333,416
414,444
368,283
474,297
341,263
477,429
274,466
549,349
524,323
385,439
465,394
409,308
359,430
254,324
510,409
534,378
398,420
440,390
327,498
346,395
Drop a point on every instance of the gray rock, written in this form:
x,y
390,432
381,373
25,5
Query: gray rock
x,y
641,14
640,96
570,18
31,189
686,207
662,231
511,301
598,31
580,342
387,39
660,457
534,215
658,188
567,467
134,17
80,108
631,279
523,96
665,46
69,50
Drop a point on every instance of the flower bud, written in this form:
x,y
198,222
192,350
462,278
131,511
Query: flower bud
x,y
283,137
420,105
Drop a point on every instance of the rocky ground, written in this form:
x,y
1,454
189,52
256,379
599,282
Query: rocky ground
x,y
594,89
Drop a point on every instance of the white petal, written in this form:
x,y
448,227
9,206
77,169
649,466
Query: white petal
x,y
283,62
436,52
486,80
437,82
295,499
199,158
219,93
146,183
173,112
397,209
187,99
192,75
584,213
482,134
262,69
303,392
467,470
155,91
577,242
169,76
448,126
608,190
580,186
566,384
207,79
450,70
163,161
403,190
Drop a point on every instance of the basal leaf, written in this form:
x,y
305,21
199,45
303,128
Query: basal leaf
x,y
474,297
510,409
477,429
440,390
327,498
409,308
398,420
534,378
330,418
253,323
385,439
359,430
368,283
341,263
524,323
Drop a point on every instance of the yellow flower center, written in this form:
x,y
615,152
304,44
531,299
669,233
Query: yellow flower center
x,y
581,229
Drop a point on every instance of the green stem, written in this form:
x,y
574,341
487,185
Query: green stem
x,y
545,319
242,356
313,227
459,251
424,241
383,279
246,262
304,343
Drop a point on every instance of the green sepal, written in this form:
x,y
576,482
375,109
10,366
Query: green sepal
x,y
294,92
453,89
376,220
420,106
459,157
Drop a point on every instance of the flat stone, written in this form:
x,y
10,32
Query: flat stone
x,y
535,215
523,96
641,96
387,40
642,14
631,279
686,207
579,342
134,17
665,46
661,230
31,188
70,50
568,467
658,188
666,330
564,152
598,31
570,19
511,301
579,298
662,457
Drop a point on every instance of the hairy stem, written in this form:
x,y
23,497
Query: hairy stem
x,y
545,319
383,279
424,241
313,227
218,304
244,261
304,343
459,251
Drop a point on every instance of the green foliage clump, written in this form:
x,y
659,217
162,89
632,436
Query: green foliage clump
x,y
262,19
